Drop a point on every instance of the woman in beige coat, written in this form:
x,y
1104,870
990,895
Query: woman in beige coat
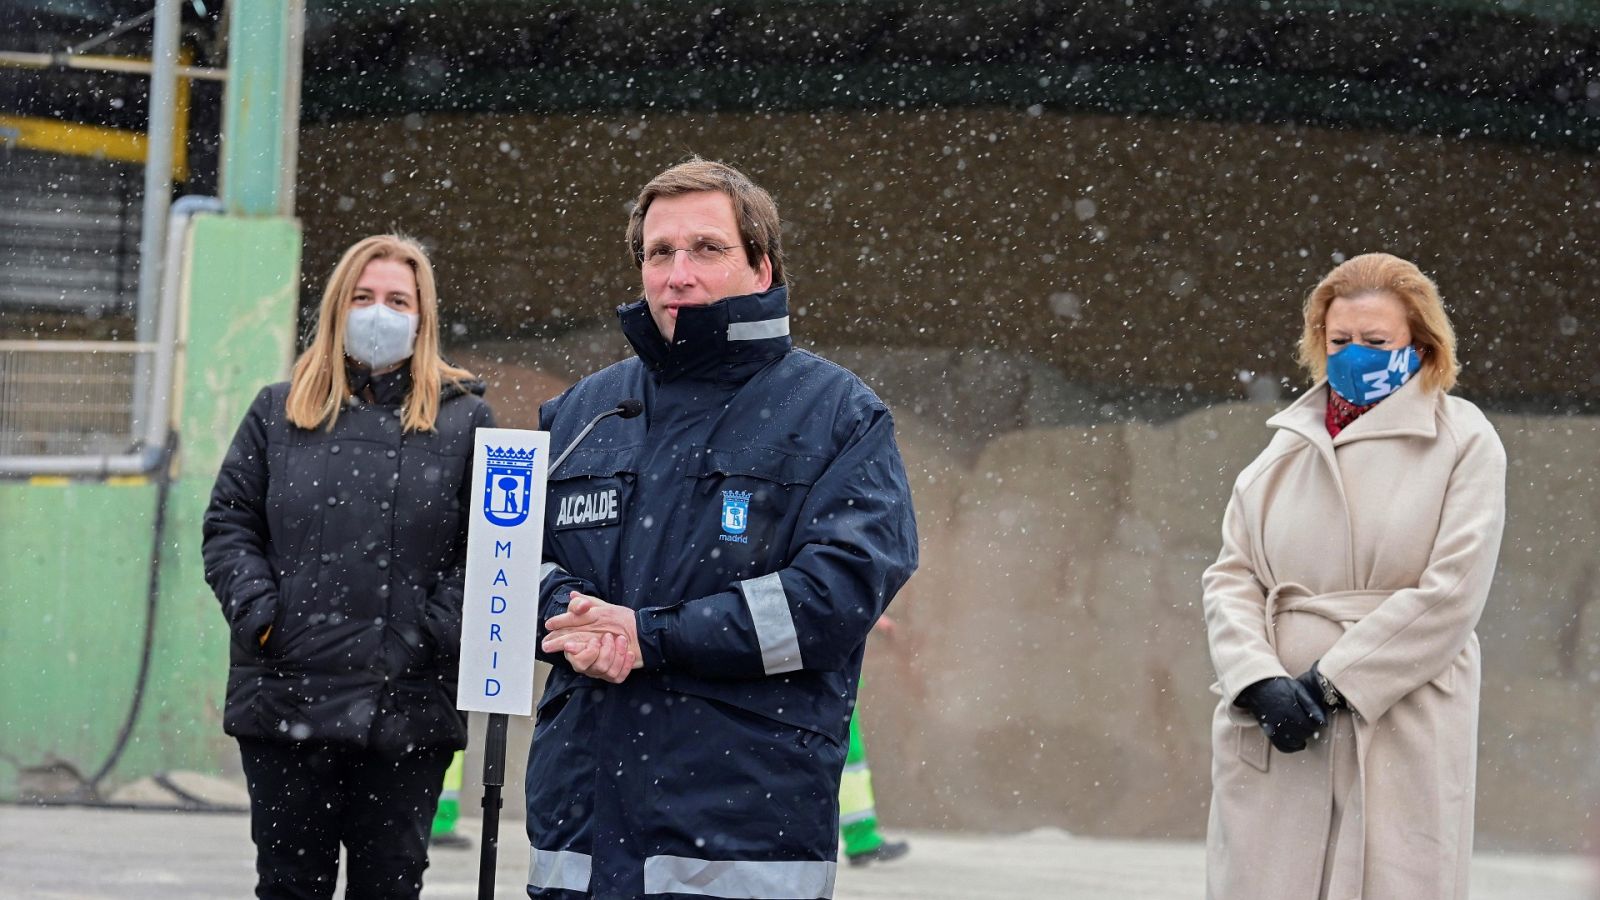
x,y
1357,554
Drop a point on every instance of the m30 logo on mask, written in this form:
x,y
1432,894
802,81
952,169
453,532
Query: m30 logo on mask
x,y
735,516
1365,375
508,485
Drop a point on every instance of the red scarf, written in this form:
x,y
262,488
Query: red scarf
x,y
1341,413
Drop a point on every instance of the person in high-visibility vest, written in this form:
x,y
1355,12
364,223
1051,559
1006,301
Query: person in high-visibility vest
x,y
449,811
858,814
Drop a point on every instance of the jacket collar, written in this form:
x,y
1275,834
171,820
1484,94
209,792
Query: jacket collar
x,y
729,340
392,388
1408,412
388,389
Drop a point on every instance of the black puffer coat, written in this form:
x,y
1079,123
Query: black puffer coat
x,y
350,545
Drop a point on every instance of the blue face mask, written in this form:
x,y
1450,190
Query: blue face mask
x,y
1364,375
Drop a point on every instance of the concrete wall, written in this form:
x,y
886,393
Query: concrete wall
x,y
1051,667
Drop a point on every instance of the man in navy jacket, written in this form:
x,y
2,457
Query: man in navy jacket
x,y
711,571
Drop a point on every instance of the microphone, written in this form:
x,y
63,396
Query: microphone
x,y
627,409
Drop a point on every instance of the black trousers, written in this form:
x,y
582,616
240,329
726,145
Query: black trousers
x,y
307,799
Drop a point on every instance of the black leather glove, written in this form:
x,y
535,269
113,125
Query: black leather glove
x,y
1288,713
1312,682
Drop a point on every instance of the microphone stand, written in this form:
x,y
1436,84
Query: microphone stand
x,y
494,747
494,778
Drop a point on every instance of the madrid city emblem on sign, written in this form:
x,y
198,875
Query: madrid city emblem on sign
x,y
508,485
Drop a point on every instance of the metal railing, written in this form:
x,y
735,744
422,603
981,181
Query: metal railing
x,y
98,407
65,411
68,398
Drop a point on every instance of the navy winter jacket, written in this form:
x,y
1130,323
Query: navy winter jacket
x,y
758,518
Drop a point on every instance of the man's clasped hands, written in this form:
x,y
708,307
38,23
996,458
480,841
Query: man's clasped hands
x,y
599,639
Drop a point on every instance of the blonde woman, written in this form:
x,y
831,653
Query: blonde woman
x,y
1357,554
334,543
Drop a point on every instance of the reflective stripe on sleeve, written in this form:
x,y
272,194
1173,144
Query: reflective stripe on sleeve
x,y
769,610
756,331
547,568
558,870
758,880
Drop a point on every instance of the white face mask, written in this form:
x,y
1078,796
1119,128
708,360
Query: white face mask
x,y
378,336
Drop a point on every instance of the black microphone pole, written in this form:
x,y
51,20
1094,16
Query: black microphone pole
x,y
494,777
627,409
494,746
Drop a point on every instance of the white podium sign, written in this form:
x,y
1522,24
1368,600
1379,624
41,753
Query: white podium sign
x,y
505,537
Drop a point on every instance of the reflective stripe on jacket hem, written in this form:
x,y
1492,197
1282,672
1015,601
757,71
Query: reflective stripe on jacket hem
x,y
769,611
558,870
755,879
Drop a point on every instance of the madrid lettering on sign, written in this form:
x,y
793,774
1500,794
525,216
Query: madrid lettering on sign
x,y
497,606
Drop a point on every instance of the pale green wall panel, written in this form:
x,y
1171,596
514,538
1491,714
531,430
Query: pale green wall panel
x,y
74,577
72,603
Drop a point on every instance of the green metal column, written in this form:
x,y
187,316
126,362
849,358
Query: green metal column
x,y
242,277
244,266
241,274
261,116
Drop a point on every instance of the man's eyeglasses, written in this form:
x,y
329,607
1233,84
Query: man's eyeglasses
x,y
700,253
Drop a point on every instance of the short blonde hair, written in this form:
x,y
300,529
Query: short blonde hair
x,y
318,387
1371,273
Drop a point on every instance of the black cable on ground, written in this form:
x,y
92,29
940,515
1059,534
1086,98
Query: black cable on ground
x,y
163,475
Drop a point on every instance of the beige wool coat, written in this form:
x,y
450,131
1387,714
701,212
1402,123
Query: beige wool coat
x,y
1372,552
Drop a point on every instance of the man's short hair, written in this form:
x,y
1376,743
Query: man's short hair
x,y
759,227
